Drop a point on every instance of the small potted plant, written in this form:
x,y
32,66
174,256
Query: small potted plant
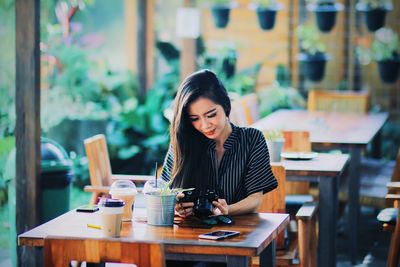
x,y
275,142
266,12
220,10
313,52
375,12
385,50
325,13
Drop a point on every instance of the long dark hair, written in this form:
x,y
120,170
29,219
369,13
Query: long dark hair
x,y
190,168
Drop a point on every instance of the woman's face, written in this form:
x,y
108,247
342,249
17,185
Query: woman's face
x,y
208,118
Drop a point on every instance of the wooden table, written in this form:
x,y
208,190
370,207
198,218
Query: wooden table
x,y
326,170
257,237
328,130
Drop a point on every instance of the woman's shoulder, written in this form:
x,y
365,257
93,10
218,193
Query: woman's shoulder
x,y
249,132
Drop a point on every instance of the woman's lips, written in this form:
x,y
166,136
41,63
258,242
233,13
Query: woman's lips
x,y
209,133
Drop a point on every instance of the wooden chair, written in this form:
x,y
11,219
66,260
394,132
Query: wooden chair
x,y
302,250
60,252
390,219
245,110
250,107
297,141
101,176
338,101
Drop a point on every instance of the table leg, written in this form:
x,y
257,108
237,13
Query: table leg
x,y
233,261
354,204
328,210
268,256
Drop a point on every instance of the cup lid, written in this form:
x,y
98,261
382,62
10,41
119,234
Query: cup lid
x,y
123,187
111,202
152,186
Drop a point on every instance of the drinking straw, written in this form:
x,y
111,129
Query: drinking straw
x,y
155,174
93,226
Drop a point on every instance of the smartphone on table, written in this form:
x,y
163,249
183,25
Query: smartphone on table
x,y
88,208
220,234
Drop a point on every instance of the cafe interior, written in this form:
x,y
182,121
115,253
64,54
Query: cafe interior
x,y
87,92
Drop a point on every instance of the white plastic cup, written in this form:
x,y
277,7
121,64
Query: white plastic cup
x,y
126,191
275,148
111,211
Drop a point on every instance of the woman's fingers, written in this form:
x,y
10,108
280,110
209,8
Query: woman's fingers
x,y
184,209
221,207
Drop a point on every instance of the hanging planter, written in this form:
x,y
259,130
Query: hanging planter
x,y
220,12
375,13
325,14
314,65
385,50
266,13
389,69
313,53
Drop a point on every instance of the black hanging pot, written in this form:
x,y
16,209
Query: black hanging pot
x,y
389,70
325,15
314,65
266,15
229,66
374,17
220,15
266,18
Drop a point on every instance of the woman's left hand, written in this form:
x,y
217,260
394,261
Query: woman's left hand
x,y
220,207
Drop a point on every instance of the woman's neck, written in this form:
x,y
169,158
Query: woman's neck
x,y
224,135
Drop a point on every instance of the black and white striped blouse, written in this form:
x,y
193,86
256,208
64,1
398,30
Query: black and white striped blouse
x,y
244,169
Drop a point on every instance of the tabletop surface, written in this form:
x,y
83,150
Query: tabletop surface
x,y
256,232
326,127
324,163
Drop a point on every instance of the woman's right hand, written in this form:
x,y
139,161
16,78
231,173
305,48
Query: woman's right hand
x,y
183,209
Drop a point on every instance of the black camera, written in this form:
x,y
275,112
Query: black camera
x,y
202,200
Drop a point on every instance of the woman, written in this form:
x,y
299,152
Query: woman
x,y
208,152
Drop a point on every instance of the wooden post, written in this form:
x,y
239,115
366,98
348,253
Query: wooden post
x,y
188,52
131,34
27,130
145,45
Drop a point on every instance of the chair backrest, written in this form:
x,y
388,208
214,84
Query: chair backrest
x,y
250,107
59,252
396,170
274,201
338,101
98,160
297,141
245,110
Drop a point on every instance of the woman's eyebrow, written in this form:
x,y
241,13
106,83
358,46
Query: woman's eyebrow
x,y
206,113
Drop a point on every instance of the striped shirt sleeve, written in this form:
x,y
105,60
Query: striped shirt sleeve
x,y
259,176
167,167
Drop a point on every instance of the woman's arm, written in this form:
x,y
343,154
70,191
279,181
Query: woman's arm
x,y
247,205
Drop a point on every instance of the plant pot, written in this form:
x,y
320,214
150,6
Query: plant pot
x,y
229,66
325,15
266,18
314,65
374,17
389,70
275,149
160,209
220,16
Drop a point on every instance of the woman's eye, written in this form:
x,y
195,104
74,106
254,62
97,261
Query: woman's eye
x,y
212,115
193,119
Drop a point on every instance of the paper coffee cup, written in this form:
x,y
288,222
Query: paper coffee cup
x,y
126,191
111,211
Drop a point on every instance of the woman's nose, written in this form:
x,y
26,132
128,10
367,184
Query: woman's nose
x,y
204,123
